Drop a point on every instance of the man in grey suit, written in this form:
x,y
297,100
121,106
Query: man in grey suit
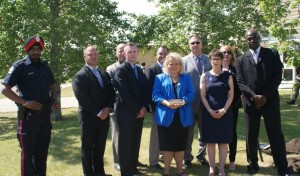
x,y
195,64
150,73
113,117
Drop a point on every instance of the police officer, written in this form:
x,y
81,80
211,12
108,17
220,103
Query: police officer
x,y
35,83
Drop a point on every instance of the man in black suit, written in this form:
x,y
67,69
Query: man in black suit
x,y
150,73
95,94
130,82
259,73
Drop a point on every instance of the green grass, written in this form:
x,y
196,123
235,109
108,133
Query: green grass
x,y
64,154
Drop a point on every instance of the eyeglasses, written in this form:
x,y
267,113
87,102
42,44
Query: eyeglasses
x,y
193,43
227,52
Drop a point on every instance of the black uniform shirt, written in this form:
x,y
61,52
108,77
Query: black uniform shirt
x,y
32,79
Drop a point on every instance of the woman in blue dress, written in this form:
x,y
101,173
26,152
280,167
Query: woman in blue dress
x,y
217,91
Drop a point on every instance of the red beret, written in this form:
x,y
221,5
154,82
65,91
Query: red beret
x,y
32,41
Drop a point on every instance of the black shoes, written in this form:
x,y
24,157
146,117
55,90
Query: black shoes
x,y
251,170
187,164
157,166
139,164
292,102
203,162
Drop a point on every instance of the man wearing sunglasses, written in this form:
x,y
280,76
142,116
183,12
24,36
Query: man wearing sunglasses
x,y
195,64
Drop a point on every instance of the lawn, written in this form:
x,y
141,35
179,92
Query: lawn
x,y
65,92
64,155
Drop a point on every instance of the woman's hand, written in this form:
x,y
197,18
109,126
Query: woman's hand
x,y
217,114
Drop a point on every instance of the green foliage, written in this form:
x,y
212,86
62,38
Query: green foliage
x,y
219,23
67,27
281,27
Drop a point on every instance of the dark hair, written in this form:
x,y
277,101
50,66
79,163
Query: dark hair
x,y
164,47
130,44
215,53
195,35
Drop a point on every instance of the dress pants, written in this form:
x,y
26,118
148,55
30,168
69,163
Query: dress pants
x,y
154,144
188,156
93,142
272,121
34,134
130,133
232,146
114,136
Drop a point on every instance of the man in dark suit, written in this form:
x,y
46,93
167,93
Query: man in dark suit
x,y
130,82
259,73
95,94
150,73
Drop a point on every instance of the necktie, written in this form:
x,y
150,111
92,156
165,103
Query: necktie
x,y
255,56
97,74
199,64
135,72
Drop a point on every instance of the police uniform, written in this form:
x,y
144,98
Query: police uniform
x,y
33,80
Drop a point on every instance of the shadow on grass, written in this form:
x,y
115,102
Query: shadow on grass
x,y
65,140
8,127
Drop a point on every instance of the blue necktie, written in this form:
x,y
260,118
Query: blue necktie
x,y
135,72
97,74
199,64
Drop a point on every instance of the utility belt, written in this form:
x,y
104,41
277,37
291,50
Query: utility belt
x,y
24,113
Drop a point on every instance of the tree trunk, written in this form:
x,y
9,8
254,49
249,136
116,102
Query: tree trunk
x,y
56,114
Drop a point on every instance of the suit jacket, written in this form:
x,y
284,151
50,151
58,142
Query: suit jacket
x,y
191,68
132,92
150,73
163,89
262,78
90,95
111,69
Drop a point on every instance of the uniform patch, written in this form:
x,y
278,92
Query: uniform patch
x,y
12,68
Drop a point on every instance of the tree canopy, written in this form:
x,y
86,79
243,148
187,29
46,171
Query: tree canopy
x,y
221,22
67,26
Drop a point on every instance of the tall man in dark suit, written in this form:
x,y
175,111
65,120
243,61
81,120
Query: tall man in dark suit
x,y
195,64
95,94
130,82
259,73
150,73
111,69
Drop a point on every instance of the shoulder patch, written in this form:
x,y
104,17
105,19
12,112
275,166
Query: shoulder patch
x,y
11,69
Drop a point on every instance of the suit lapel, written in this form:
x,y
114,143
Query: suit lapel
x,y
249,56
158,69
192,61
93,77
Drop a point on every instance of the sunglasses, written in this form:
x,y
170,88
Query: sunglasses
x,y
193,43
227,52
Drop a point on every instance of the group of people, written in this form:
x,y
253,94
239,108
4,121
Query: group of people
x,y
177,92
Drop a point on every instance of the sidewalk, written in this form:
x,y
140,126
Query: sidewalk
x,y
6,105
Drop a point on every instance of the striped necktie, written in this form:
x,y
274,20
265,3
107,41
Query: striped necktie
x,y
97,74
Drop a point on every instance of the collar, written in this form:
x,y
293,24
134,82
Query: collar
x,y
90,67
195,57
161,65
257,51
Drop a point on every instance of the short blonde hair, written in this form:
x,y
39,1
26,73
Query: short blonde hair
x,y
177,57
